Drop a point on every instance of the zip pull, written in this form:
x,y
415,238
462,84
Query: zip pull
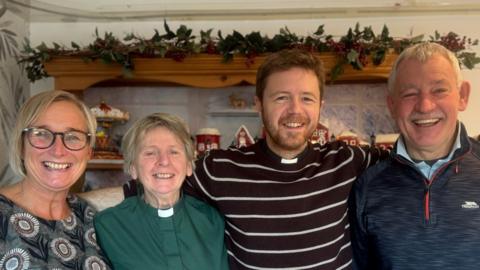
x,y
426,204
456,168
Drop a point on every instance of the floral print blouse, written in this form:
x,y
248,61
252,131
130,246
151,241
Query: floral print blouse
x,y
29,242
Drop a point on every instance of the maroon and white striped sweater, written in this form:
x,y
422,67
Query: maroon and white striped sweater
x,y
283,216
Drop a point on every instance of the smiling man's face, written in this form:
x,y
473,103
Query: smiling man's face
x,y
290,110
425,105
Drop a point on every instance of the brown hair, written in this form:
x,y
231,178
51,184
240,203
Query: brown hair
x,y
285,60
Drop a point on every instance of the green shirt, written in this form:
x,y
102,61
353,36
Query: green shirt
x,y
133,236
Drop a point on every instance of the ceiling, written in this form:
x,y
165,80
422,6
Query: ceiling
x,y
122,10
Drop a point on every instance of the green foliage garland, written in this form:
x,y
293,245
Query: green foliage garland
x,y
357,48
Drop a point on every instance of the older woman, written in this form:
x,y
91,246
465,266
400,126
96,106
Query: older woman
x,y
161,228
41,225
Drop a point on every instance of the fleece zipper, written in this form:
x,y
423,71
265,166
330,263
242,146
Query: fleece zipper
x,y
465,149
428,183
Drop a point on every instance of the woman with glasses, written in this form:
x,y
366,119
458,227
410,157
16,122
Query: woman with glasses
x,y
42,225
161,228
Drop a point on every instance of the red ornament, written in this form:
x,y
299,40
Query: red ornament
x,y
104,107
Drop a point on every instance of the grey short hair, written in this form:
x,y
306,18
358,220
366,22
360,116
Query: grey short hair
x,y
29,113
132,139
422,52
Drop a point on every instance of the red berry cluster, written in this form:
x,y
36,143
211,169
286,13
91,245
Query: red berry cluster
x,y
337,47
176,55
107,43
453,42
211,48
250,58
342,49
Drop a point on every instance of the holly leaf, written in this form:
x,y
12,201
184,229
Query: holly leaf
x,y
42,47
469,59
238,36
75,46
352,56
277,43
416,39
206,36
385,36
378,56
368,33
170,34
319,31
161,51
254,41
336,71
183,32
27,48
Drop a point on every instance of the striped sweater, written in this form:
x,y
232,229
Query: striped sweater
x,y
283,216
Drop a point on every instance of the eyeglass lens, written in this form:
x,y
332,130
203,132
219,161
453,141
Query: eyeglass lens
x,y
44,138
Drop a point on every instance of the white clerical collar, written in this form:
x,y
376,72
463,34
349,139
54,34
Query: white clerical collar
x,y
289,161
165,213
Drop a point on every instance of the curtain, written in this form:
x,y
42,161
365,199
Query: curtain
x,y
13,83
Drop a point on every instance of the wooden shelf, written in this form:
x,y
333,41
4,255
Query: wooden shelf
x,y
233,112
202,71
105,164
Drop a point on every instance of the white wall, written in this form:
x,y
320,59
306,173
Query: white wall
x,y
468,25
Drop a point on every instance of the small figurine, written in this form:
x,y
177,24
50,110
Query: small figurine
x,y
237,102
349,137
107,116
243,137
320,134
207,139
386,141
105,111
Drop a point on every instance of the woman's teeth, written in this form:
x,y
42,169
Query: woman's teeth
x,y
163,175
56,166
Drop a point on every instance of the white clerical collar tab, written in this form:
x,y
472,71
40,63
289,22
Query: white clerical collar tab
x,y
164,213
289,161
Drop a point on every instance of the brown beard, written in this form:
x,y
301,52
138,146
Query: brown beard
x,y
290,142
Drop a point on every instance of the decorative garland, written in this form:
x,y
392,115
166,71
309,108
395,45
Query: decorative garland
x,y
357,48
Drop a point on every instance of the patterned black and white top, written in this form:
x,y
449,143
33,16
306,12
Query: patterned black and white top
x,y
29,242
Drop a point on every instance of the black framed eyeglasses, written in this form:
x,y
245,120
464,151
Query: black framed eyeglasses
x,y
43,138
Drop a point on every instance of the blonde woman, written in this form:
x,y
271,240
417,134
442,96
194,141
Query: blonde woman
x,y
42,225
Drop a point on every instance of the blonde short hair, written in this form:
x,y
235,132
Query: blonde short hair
x,y
29,113
422,52
133,138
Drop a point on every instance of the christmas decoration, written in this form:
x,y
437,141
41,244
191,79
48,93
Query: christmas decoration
x,y
357,48
243,137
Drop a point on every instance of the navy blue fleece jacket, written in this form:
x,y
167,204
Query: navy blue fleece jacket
x,y
401,220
